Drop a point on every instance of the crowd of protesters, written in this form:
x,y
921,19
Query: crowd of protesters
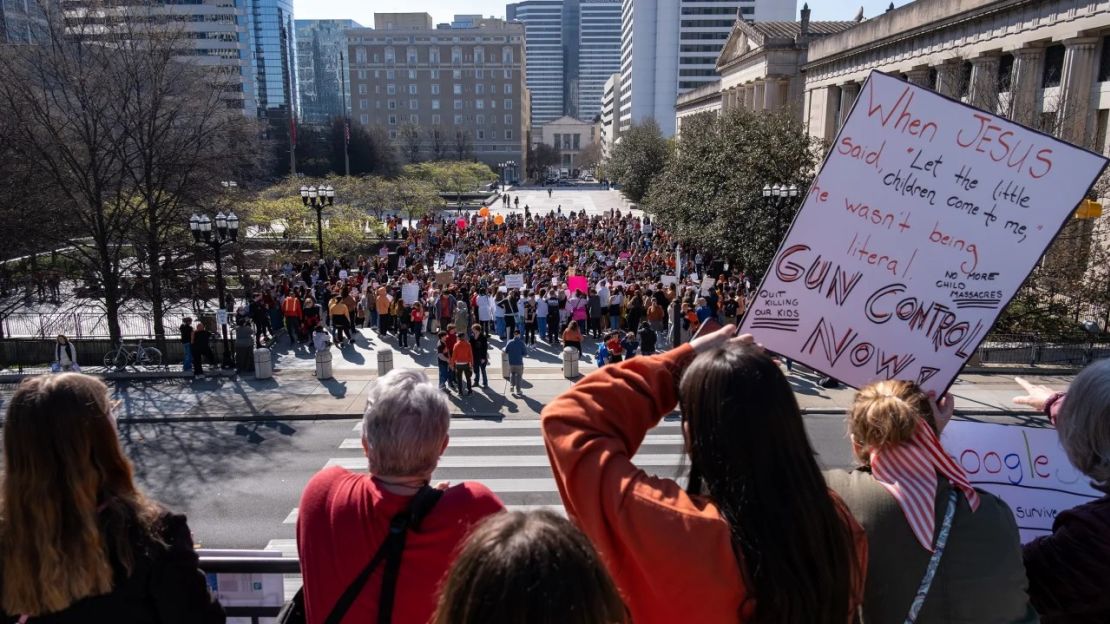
x,y
757,533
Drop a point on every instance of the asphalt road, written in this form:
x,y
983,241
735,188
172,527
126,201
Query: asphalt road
x,y
238,483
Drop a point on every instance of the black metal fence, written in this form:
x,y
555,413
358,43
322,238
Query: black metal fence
x,y
34,355
250,565
1030,351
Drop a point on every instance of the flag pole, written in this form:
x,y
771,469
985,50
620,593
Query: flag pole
x,y
346,119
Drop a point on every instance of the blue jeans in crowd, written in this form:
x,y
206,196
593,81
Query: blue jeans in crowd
x,y
614,322
542,320
187,363
444,374
500,325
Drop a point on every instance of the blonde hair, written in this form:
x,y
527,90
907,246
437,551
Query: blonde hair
x,y
886,413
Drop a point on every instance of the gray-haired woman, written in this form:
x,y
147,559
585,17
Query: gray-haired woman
x,y
1068,570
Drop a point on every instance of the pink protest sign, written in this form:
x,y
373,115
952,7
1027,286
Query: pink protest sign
x,y
578,282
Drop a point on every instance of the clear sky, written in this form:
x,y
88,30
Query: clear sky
x,y
442,10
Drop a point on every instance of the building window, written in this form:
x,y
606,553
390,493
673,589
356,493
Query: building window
x,y
360,55
458,104
458,120
364,104
481,135
457,89
393,120
479,89
479,73
456,54
414,104
362,89
508,88
479,55
392,134
1005,72
390,74
435,74
411,55
577,142
377,73
378,89
412,89
377,59
508,74
435,120
1104,61
390,56
364,119
435,104
506,56
558,143
414,119
412,74
480,120
391,89
433,56
508,104
456,74
1053,65
362,74
435,89
392,105
508,134
508,120
479,104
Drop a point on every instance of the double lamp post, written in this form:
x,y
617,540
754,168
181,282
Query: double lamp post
x,y
502,167
226,232
777,197
318,199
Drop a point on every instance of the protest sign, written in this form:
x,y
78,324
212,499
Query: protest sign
x,y
707,284
449,260
924,220
1023,466
693,277
410,293
514,280
524,249
444,278
579,283
669,280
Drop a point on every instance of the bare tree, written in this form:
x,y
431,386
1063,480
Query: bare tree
x,y
437,139
462,144
410,135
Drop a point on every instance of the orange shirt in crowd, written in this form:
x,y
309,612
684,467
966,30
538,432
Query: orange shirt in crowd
x,y
462,353
291,307
670,553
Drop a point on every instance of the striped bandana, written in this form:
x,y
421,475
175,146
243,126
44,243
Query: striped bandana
x,y
909,472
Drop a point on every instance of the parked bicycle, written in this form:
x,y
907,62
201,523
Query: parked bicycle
x,y
122,357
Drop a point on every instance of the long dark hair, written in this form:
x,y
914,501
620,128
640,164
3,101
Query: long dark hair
x,y
749,450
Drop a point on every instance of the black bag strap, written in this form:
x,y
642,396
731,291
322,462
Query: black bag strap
x,y
390,550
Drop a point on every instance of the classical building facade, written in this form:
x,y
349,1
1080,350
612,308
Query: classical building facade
x,y
447,92
568,135
1042,63
704,99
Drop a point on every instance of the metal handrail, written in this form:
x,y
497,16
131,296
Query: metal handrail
x,y
246,565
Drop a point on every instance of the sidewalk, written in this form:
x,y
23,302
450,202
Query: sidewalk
x,y
298,395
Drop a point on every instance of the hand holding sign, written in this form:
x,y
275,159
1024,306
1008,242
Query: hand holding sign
x,y
923,222
1035,396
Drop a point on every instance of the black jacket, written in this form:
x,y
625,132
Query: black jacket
x,y
480,347
165,586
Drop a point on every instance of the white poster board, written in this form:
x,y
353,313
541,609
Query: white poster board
x,y
707,284
246,589
1023,466
410,293
669,280
924,220
514,280
221,317
449,260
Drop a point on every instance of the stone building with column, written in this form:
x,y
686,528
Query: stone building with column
x,y
760,64
1042,63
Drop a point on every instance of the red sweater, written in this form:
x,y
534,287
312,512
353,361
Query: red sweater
x,y
344,518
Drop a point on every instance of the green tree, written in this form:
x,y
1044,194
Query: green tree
x,y
540,158
642,153
709,195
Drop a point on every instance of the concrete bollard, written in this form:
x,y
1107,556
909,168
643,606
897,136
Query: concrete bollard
x,y
385,360
570,363
505,365
323,365
263,366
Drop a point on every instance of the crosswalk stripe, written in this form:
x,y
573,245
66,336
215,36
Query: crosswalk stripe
x,y
292,519
505,461
503,441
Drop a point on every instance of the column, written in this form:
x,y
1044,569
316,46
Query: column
x,y
832,113
1073,115
849,91
983,90
919,76
948,78
749,97
771,97
1025,84
757,100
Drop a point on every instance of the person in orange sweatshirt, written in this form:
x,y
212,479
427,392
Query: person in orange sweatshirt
x,y
462,356
756,537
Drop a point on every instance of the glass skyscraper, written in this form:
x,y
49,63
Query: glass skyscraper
x,y
271,57
599,53
322,66
545,69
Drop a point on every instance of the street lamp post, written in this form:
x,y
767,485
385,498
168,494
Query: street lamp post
x,y
676,316
227,232
318,198
777,196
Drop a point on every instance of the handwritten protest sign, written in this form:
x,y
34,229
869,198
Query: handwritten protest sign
x,y
924,220
410,293
669,280
444,278
1023,466
579,283
707,284
514,280
449,260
